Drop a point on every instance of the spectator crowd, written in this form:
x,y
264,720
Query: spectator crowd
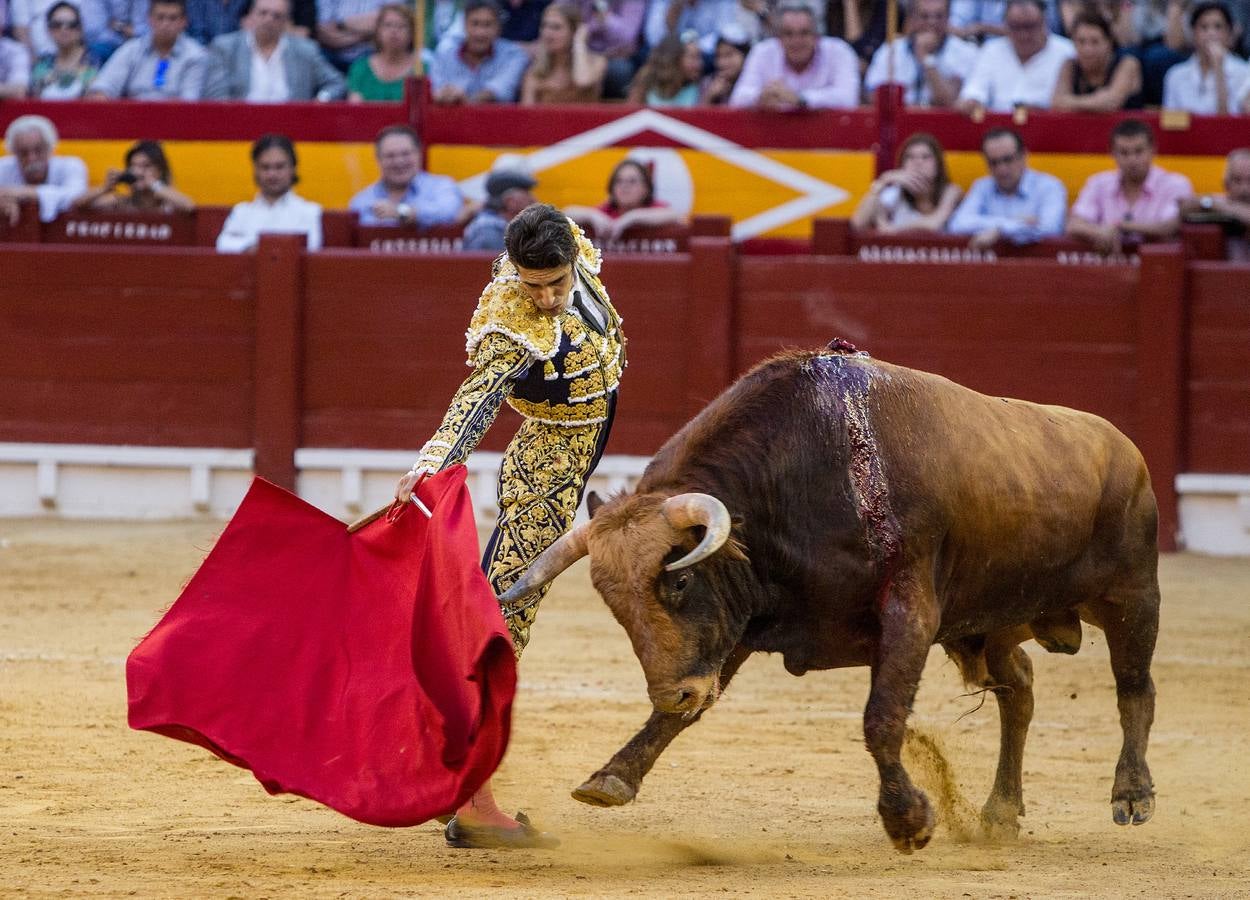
x,y
773,54
995,55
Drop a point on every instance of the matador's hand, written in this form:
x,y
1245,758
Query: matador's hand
x,y
403,490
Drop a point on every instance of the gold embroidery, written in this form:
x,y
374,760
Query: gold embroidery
x,y
543,473
571,414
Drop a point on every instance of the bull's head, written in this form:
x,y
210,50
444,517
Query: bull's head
x,y
663,582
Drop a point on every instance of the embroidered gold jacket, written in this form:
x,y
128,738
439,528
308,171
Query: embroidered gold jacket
x,y
553,369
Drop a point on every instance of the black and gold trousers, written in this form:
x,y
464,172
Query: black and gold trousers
x,y
541,482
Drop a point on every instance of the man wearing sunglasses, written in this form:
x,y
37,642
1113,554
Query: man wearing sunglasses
x,y
162,65
1013,202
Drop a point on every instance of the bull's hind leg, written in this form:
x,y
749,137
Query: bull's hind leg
x,y
617,783
909,620
1130,620
1011,679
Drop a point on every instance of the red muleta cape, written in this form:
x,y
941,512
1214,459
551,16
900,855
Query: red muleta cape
x,y
371,672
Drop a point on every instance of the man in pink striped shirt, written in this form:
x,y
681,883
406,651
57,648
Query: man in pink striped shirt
x,y
798,68
1137,201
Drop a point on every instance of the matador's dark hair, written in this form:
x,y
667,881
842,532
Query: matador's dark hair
x,y
540,238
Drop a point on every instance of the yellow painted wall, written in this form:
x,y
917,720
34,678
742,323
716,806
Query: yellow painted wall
x,y
220,173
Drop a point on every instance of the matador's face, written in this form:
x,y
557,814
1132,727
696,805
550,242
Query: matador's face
x,y
548,288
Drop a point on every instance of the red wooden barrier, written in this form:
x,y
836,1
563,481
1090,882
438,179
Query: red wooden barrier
x,y
278,349
113,227
1218,374
138,345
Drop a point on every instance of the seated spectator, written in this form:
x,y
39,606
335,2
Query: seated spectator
x,y
210,19
1210,81
164,65
1137,200
67,73
732,48
631,201
150,180
507,193
1231,209
345,29
614,29
31,172
977,20
565,69
1101,77
704,19
1154,32
380,76
798,68
928,62
277,208
861,23
29,21
14,69
670,76
265,64
1020,69
483,68
405,195
1013,202
917,196
522,21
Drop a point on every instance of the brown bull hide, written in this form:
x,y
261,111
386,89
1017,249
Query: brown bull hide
x,y
882,510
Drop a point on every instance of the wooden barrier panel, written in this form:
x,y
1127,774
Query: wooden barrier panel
x,y
126,228
1217,392
381,364
408,238
126,346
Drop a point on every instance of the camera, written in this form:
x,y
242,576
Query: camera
x,y
127,178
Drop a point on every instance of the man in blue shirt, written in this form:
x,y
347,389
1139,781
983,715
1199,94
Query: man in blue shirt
x,y
406,195
483,68
1013,202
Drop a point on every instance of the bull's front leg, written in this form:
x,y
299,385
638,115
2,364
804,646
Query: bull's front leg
x,y
617,782
909,620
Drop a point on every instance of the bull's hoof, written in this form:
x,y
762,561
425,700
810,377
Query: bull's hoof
x,y
605,790
911,828
999,820
1133,810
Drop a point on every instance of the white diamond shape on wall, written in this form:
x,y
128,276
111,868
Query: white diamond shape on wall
x,y
817,194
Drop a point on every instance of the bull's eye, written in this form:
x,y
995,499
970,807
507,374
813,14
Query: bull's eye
x,y
682,580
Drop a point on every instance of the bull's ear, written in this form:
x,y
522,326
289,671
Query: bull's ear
x,y
593,502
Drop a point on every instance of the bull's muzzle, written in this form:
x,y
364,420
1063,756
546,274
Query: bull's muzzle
x,y
687,696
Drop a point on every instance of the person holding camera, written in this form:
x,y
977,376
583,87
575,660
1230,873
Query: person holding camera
x,y
147,177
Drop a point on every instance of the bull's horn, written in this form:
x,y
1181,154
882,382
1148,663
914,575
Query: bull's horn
x,y
549,564
687,510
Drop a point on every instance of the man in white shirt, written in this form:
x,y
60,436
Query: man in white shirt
x,y
269,64
276,208
929,62
1020,69
31,172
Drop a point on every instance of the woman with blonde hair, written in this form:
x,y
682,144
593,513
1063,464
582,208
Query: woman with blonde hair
x,y
916,196
565,69
380,76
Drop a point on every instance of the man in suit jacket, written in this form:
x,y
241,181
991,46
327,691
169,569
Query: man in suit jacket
x,y
263,63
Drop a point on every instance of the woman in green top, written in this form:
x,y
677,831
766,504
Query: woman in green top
x,y
380,75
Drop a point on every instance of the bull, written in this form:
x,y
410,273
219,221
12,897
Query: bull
x,y
843,511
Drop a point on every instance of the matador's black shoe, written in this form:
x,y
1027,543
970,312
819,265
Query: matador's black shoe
x,y
488,837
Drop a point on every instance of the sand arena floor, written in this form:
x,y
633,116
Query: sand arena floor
x,y
772,794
